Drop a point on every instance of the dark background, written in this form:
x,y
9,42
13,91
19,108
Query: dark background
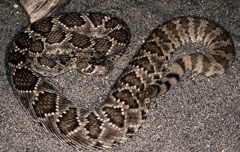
x,y
199,114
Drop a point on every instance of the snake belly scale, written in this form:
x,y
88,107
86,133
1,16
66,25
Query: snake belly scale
x,y
87,42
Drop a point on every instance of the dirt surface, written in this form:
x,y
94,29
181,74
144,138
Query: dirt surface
x,y
199,114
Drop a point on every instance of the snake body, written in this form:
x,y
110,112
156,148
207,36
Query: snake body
x,y
87,41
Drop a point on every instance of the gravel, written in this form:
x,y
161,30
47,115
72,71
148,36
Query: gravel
x,y
199,114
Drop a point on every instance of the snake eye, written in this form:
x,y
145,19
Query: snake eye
x,y
98,59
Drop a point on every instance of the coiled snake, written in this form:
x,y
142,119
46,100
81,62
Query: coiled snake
x,y
87,42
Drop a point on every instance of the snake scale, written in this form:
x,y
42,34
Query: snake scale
x,y
87,42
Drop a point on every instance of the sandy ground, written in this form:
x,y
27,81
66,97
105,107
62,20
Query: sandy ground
x,y
199,114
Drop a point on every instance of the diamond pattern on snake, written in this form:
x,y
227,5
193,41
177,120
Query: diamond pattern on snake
x,y
88,42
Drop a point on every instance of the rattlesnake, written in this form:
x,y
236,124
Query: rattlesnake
x,y
87,41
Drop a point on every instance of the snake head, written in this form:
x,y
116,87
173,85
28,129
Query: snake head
x,y
95,64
